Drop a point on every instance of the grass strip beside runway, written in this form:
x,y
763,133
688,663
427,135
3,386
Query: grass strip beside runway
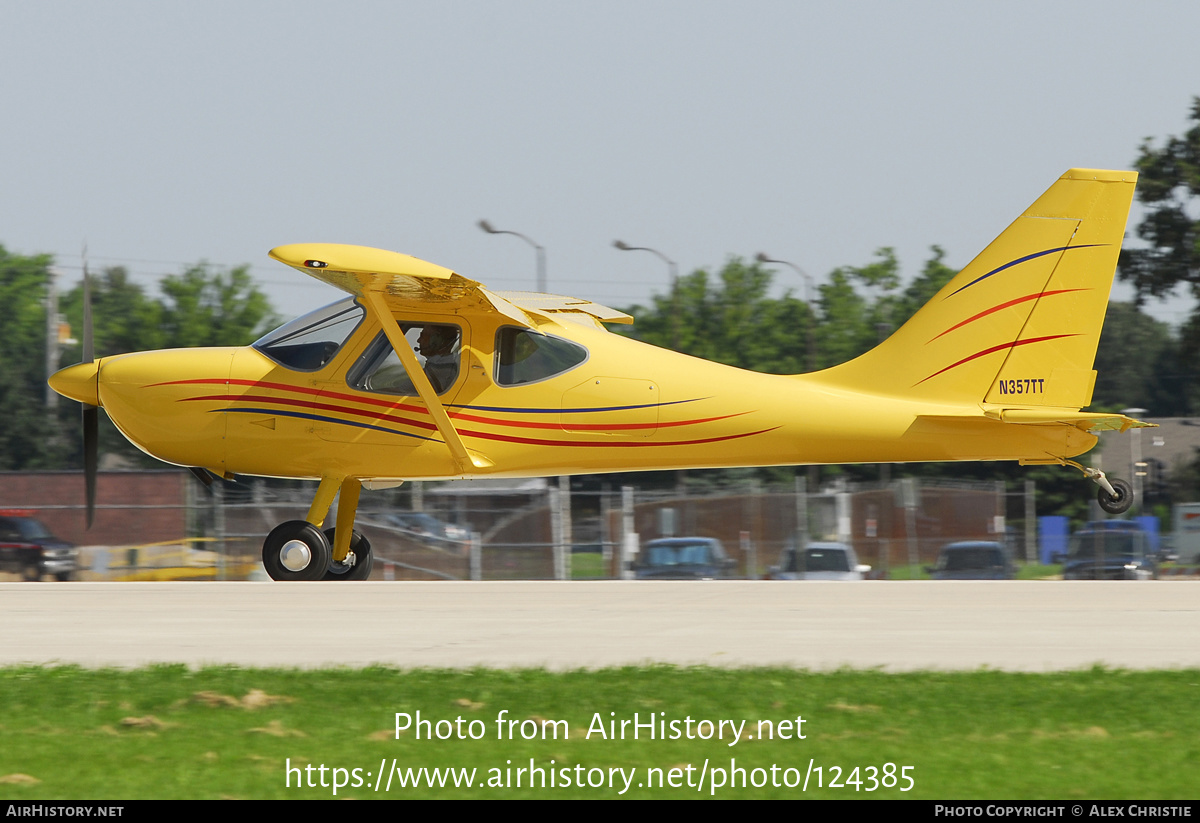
x,y
171,732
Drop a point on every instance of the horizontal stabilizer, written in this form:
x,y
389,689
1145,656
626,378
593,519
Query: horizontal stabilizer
x,y
1093,422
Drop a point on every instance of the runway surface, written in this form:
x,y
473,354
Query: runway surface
x,y
1010,625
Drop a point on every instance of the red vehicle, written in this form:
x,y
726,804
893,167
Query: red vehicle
x,y
29,549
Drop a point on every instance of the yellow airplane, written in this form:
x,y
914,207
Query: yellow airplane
x,y
424,374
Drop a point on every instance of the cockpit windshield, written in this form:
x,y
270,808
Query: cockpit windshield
x,y
309,342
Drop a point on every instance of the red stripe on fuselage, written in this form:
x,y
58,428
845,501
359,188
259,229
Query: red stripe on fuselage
x,y
472,418
626,444
393,406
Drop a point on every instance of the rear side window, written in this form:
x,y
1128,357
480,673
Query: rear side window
x,y
524,356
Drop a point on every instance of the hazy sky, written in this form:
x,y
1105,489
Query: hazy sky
x,y
166,133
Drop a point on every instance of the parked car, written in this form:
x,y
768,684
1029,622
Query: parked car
x,y
973,560
29,549
430,530
1111,550
683,558
820,561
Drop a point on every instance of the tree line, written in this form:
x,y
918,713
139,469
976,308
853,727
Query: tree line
x,y
202,306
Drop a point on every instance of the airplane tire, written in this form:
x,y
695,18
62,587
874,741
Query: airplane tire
x,y
1119,503
361,570
296,550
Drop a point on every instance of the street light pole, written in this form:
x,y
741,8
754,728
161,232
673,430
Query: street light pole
x,y
674,272
763,257
681,475
1137,468
814,477
541,251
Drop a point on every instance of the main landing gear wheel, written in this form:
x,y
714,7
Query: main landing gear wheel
x,y
1118,502
360,551
296,550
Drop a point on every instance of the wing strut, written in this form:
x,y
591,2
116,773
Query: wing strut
x,y
378,306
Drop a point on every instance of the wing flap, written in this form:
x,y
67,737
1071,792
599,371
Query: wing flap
x,y
535,301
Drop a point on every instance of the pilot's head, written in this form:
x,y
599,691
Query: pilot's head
x,y
436,340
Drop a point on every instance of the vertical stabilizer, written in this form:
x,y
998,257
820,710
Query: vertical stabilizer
x,y
1020,324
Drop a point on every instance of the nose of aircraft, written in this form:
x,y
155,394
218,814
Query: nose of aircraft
x,y
78,382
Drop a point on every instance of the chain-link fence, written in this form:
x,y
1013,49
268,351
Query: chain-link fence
x,y
165,525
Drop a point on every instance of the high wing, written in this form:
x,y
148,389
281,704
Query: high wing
x,y
387,281
409,282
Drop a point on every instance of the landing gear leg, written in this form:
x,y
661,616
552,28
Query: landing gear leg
x,y
351,551
358,562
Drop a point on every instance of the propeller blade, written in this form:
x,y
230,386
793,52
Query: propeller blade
x,y
91,424
91,414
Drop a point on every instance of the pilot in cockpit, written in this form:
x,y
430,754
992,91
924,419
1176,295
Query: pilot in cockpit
x,y
437,345
437,348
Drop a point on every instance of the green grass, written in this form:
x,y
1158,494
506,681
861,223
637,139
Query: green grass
x,y
171,732
1025,571
588,565
907,572
1036,571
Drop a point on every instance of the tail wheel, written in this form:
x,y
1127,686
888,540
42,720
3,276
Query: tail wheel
x,y
1116,503
363,560
296,550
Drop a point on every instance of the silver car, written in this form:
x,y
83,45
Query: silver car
x,y
820,561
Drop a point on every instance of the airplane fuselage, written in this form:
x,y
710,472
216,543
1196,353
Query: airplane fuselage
x,y
627,406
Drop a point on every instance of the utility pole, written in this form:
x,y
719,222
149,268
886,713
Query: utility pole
x,y
51,337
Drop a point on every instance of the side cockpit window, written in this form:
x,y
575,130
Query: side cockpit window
x,y
437,346
524,356
308,343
